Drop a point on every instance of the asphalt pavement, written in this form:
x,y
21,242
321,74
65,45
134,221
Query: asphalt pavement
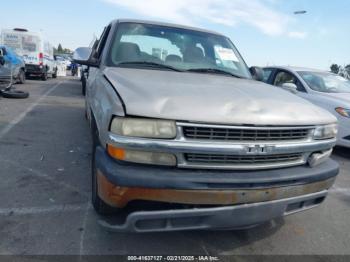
x,y
45,151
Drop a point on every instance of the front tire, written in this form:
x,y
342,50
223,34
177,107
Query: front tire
x,y
83,88
21,77
99,205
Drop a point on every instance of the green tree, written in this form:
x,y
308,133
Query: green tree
x,y
59,48
335,68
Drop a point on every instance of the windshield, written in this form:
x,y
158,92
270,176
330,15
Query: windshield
x,y
178,48
30,43
326,82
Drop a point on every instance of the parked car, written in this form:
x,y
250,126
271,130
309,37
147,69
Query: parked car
x,y
9,63
13,66
35,50
324,89
61,65
68,60
65,59
62,60
5,77
178,120
69,64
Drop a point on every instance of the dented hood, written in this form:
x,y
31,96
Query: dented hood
x,y
211,98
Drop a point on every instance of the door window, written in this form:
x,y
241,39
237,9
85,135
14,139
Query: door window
x,y
267,74
284,77
101,43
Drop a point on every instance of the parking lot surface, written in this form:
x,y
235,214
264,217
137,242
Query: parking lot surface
x,y
45,193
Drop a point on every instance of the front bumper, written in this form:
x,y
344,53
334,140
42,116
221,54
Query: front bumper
x,y
34,69
241,198
231,217
120,197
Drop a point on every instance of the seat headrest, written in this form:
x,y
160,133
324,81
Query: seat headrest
x,y
128,52
193,54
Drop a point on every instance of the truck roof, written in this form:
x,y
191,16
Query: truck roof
x,y
12,31
296,69
165,24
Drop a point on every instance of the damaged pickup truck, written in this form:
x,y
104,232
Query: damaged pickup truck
x,y
180,122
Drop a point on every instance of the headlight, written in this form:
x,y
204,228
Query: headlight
x,y
326,132
142,157
342,111
139,127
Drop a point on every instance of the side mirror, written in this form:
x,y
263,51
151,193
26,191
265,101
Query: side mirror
x,y
83,56
257,73
291,87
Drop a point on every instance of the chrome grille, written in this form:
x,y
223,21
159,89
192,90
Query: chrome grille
x,y
211,159
242,134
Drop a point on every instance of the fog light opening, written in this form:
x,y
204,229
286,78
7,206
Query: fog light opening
x,y
318,158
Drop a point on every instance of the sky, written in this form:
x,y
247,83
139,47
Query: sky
x,y
266,32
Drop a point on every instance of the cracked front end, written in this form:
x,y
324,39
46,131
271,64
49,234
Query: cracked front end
x,y
205,167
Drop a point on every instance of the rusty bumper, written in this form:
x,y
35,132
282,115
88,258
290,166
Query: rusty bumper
x,y
241,199
120,196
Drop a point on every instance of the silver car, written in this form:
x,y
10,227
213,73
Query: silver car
x,y
325,89
13,66
188,139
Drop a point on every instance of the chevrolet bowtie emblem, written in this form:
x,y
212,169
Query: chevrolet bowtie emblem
x,y
259,149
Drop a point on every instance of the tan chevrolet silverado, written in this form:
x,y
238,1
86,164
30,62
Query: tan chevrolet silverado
x,y
183,131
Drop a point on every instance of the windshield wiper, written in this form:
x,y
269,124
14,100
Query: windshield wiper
x,y
151,64
213,70
199,70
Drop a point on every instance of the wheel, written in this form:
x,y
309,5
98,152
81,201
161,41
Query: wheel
x,y
86,112
44,76
99,205
21,77
83,88
54,75
14,94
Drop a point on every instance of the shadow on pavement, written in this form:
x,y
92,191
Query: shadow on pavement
x,y
342,151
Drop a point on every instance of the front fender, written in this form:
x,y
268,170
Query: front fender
x,y
104,103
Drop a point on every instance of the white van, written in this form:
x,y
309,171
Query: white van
x,y
37,53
